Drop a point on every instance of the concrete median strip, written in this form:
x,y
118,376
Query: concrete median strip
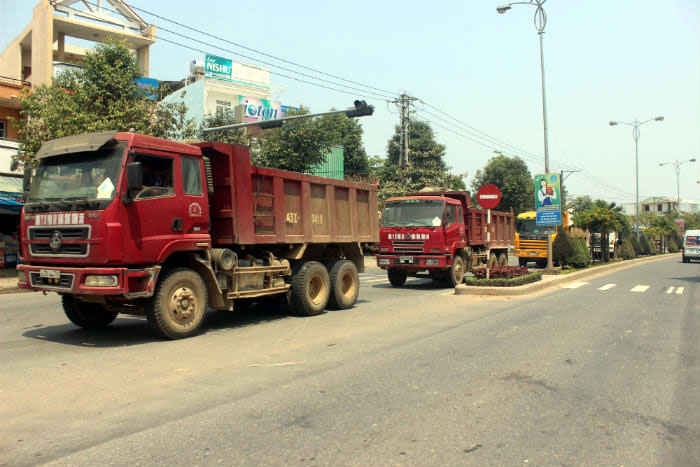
x,y
560,280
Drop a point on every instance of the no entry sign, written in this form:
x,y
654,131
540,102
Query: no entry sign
x,y
488,196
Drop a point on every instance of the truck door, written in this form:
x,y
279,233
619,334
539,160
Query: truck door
x,y
157,213
454,226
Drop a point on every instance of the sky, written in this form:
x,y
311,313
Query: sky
x,y
476,75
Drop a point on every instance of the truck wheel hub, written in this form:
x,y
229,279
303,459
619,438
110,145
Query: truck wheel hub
x,y
183,304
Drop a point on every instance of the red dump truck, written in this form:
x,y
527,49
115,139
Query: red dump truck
x,y
441,233
119,222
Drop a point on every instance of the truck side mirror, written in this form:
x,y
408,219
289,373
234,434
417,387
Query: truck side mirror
x,y
134,180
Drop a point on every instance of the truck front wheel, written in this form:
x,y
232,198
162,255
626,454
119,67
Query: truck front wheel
x,y
87,315
397,277
179,304
456,271
345,285
310,289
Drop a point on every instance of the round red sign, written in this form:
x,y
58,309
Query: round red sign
x,y
488,196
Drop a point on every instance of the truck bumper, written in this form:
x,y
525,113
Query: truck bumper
x,y
129,283
534,254
414,261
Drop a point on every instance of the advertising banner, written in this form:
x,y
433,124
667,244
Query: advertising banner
x,y
547,199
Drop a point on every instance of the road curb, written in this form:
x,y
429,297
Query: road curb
x,y
549,281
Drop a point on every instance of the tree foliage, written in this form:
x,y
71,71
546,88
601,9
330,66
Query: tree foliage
x,y
298,145
426,166
512,177
102,95
602,217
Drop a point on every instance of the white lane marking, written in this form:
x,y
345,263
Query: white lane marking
x,y
679,290
574,285
670,290
606,287
372,281
640,288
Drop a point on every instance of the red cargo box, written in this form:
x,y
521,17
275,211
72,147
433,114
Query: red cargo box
x,y
256,205
502,228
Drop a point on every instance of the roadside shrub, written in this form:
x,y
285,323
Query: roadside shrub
x,y
496,272
533,276
637,245
673,245
627,251
580,256
642,246
561,248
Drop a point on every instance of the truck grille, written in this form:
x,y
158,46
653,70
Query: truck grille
x,y
532,244
64,282
408,247
73,241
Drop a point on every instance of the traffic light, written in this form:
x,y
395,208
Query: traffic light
x,y
361,110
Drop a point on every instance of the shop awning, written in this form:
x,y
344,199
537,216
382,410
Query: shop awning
x,y
11,201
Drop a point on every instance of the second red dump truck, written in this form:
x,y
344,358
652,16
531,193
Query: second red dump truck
x,y
128,223
441,233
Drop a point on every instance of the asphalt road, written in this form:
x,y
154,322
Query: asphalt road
x,y
602,372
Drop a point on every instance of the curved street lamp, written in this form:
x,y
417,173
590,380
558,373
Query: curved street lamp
x,y
677,166
540,20
635,134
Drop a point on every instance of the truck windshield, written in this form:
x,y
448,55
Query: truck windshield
x,y
413,213
530,227
89,176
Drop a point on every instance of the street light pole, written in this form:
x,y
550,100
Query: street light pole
x,y
635,134
677,166
540,20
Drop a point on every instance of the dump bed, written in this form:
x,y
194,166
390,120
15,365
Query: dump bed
x,y
501,229
255,205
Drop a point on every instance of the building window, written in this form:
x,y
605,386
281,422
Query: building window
x,y
659,207
223,107
3,129
191,176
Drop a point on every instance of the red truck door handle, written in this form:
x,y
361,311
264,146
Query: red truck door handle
x,y
177,224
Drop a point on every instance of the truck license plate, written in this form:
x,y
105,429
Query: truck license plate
x,y
50,273
406,259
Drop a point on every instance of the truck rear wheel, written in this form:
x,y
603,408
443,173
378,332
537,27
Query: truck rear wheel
x,y
493,261
179,304
310,289
456,275
87,315
397,277
345,285
503,259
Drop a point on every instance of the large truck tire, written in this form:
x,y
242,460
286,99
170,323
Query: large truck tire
x,y
311,289
345,285
456,275
493,261
178,305
397,277
503,259
87,315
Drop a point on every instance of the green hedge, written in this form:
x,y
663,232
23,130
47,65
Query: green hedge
x,y
501,282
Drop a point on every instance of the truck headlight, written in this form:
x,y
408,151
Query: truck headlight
x,y
101,281
384,261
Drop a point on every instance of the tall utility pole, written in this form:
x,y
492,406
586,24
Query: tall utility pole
x,y
404,102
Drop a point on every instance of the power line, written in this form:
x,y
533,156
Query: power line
x,y
259,52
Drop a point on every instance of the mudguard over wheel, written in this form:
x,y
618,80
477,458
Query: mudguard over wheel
x,y
87,315
311,289
345,285
456,275
397,277
178,305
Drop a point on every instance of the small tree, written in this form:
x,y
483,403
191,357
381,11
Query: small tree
x,y
580,256
562,248
627,250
